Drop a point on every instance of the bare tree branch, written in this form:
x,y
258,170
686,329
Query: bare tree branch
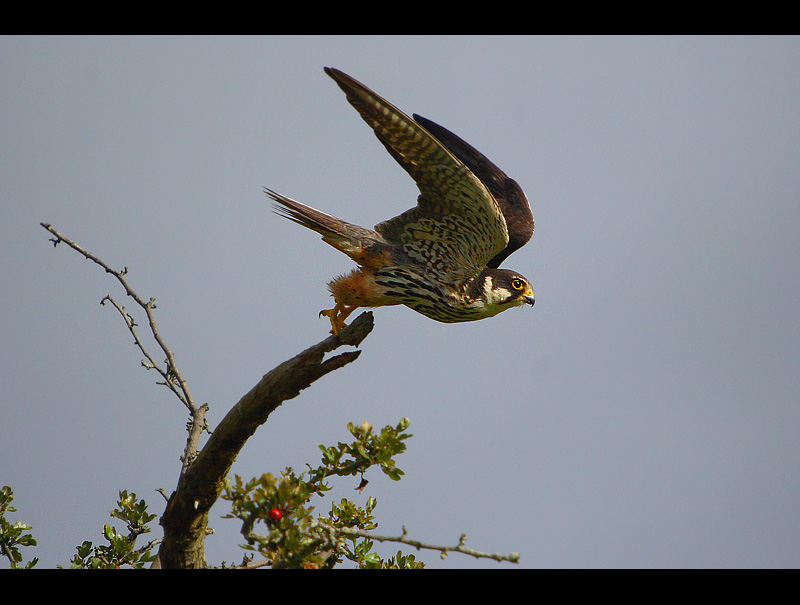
x,y
185,520
173,379
402,539
171,373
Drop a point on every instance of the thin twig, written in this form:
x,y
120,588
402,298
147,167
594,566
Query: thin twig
x,y
402,539
148,363
147,306
173,379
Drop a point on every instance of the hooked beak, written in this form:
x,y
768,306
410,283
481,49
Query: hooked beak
x,y
529,298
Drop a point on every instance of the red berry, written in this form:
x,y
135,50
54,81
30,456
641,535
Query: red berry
x,y
275,514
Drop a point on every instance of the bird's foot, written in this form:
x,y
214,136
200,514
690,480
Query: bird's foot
x,y
337,315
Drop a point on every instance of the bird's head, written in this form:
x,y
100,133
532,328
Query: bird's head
x,y
502,289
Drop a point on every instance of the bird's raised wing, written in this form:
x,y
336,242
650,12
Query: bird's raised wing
x,y
509,195
457,226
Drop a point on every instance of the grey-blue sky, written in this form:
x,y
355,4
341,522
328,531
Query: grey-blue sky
x,y
643,413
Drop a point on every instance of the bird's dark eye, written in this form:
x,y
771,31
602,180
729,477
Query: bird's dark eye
x,y
517,283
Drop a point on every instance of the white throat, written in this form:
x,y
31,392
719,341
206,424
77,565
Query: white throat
x,y
494,296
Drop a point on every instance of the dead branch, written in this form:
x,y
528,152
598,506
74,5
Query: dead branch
x,y
186,517
172,377
185,520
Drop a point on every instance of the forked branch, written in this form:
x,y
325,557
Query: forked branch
x,y
185,519
172,377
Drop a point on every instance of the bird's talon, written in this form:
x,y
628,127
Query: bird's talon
x,y
337,315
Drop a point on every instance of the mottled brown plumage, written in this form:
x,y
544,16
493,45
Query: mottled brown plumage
x,y
441,257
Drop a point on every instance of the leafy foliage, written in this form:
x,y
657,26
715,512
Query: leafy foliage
x,y
294,537
278,520
120,550
12,536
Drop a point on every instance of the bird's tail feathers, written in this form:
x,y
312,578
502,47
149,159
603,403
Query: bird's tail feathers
x,y
309,217
350,239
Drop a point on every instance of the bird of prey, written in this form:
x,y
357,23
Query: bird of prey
x,y
442,257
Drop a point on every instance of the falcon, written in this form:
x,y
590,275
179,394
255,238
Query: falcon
x,y
442,257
